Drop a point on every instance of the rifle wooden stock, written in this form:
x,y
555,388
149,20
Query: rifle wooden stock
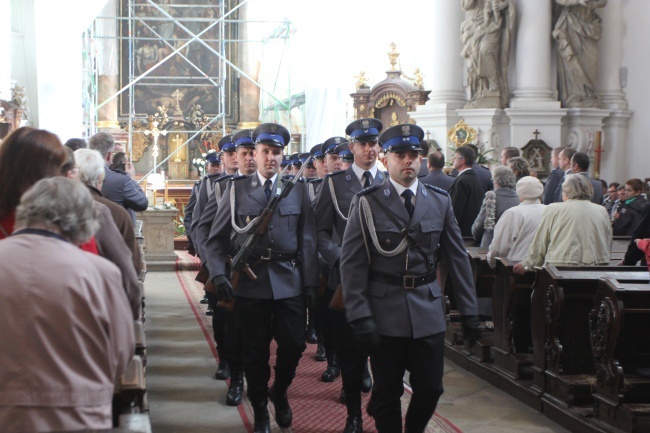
x,y
337,299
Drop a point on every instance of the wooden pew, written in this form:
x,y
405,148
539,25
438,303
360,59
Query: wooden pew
x,y
140,342
618,325
563,369
129,394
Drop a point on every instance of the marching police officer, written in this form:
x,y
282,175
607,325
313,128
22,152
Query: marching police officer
x,y
331,219
270,302
345,155
395,232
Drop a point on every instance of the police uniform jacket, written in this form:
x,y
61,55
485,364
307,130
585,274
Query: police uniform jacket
x,y
202,228
206,188
291,230
121,189
329,224
315,186
398,311
189,211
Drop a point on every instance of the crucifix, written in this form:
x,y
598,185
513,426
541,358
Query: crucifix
x,y
536,134
177,95
155,133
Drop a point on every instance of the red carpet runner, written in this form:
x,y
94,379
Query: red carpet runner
x,y
314,403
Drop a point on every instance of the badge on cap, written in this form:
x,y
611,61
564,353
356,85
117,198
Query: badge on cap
x,y
273,128
406,130
337,140
365,124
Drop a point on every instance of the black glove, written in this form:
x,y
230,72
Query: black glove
x,y
225,292
365,333
311,296
471,329
191,250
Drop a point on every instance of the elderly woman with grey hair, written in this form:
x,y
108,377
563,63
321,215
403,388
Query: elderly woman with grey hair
x,y
67,330
575,232
494,205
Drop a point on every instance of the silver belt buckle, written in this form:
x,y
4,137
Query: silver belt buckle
x,y
409,281
267,255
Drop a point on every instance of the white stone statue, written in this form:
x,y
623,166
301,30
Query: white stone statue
x,y
577,32
486,35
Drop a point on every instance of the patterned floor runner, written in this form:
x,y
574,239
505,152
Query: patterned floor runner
x,y
314,403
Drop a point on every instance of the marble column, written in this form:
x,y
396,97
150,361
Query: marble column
x,y
534,105
446,84
611,94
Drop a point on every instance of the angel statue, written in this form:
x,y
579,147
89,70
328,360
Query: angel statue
x,y
362,81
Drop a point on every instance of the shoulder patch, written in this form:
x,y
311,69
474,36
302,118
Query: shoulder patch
x,y
436,189
369,189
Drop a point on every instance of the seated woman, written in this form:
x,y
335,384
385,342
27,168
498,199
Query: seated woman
x,y
516,229
494,205
575,232
628,214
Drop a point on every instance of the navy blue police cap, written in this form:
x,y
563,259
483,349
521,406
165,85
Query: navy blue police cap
x,y
295,159
344,152
364,129
402,137
285,161
303,157
317,151
272,134
244,138
226,144
213,158
330,144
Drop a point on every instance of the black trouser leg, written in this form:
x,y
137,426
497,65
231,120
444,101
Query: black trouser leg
x,y
288,324
352,363
233,343
328,325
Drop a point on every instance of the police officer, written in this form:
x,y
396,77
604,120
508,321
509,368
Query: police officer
x,y
395,232
331,219
331,156
272,305
346,157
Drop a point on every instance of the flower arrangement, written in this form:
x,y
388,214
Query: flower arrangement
x,y
199,163
482,158
166,205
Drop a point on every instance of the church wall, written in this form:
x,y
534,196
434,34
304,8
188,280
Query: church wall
x,y
637,61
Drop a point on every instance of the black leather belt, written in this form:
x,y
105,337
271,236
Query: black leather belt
x,y
405,281
264,253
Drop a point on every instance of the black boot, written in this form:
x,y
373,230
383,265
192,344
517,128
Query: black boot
x,y
354,424
366,384
223,371
283,414
261,413
235,390
333,370
320,352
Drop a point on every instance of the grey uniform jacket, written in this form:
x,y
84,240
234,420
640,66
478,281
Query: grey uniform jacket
x,y
400,312
329,223
203,224
291,230
206,188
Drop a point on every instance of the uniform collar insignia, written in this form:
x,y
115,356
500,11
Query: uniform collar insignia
x,y
380,176
254,183
424,191
348,178
387,192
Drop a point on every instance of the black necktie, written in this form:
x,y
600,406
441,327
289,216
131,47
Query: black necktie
x,y
368,178
267,188
408,203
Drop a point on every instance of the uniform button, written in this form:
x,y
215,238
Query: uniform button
x,y
433,225
388,241
390,227
270,227
411,230
271,241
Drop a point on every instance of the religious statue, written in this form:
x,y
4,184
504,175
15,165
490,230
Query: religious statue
x,y
177,143
486,35
393,119
362,81
577,32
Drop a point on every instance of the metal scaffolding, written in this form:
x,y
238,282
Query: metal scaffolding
x,y
180,58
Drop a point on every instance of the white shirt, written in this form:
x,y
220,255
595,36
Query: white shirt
x,y
401,188
358,171
263,179
463,171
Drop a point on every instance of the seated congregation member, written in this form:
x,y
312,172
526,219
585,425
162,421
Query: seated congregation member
x,y
519,166
609,200
495,203
516,228
436,177
628,213
118,186
66,325
575,232
26,156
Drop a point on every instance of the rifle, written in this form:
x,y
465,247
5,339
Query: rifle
x,y
239,263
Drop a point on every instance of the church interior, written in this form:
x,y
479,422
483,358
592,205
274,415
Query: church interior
x,y
171,81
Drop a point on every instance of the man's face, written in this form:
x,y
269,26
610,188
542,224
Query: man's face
x,y
213,168
630,192
403,166
246,161
229,160
503,158
268,159
332,162
565,162
458,161
622,194
365,153
295,169
321,167
555,159
613,193
310,172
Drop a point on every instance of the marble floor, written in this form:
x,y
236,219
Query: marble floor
x,y
184,397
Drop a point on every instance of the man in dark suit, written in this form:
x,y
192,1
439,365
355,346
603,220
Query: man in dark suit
x,y
332,212
118,185
394,235
270,305
466,192
436,177
580,165
554,178
565,165
483,174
